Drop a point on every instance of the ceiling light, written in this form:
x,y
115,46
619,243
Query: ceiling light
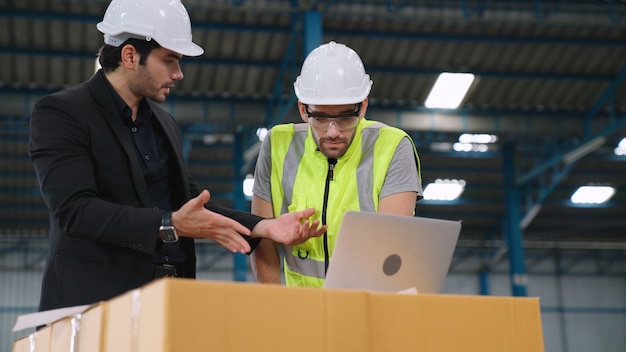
x,y
469,147
215,138
592,194
481,138
444,189
248,184
449,90
441,146
621,147
261,132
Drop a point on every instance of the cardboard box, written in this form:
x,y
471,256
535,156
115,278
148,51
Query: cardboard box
x,y
455,323
187,315
92,329
73,329
22,344
82,332
38,341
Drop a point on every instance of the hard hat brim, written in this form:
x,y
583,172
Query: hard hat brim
x,y
115,37
192,50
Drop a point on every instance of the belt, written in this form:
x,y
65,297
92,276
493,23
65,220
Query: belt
x,y
165,270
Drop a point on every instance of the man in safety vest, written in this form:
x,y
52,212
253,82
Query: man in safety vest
x,y
334,162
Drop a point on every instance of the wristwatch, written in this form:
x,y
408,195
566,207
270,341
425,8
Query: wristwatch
x,y
167,232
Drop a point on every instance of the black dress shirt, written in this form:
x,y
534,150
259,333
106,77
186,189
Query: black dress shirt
x,y
154,152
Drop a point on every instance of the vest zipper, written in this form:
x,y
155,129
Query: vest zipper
x,y
329,177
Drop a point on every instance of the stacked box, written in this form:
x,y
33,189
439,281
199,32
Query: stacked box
x,y
173,315
38,341
82,331
187,315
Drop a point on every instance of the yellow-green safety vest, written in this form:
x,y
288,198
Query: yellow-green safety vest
x,y
357,180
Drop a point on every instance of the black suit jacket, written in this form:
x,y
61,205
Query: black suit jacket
x,y
103,231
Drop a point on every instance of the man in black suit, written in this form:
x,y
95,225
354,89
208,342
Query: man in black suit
x,y
123,208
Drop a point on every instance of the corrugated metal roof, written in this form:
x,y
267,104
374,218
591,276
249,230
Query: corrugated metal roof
x,y
549,76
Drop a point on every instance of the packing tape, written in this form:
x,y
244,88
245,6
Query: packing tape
x,y
75,332
32,342
135,311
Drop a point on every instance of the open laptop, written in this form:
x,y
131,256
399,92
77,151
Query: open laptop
x,y
392,253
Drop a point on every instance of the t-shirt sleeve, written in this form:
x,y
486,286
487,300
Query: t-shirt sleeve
x,y
402,175
262,171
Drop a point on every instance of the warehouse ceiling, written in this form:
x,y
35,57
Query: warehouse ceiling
x,y
549,84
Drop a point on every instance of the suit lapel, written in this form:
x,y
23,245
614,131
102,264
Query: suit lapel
x,y
107,107
173,138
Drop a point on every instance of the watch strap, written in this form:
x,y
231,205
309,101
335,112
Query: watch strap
x,y
167,219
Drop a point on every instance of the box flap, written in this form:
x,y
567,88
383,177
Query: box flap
x,y
32,320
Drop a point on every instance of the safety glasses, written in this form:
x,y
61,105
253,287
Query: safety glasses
x,y
343,122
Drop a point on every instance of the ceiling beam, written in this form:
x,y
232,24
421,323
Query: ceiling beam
x,y
329,31
278,64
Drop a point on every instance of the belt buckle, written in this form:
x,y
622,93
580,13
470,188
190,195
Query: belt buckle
x,y
170,269
165,270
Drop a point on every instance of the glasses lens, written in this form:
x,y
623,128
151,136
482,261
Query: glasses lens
x,y
346,123
343,122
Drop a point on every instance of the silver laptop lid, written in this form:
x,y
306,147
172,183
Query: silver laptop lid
x,y
392,253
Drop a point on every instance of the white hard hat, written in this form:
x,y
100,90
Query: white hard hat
x,y
332,74
165,21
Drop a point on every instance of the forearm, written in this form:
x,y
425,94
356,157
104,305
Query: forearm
x,y
265,263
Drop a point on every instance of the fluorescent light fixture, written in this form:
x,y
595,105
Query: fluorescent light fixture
x,y
248,183
469,147
449,90
441,146
592,194
444,189
621,147
214,138
261,132
479,138
469,142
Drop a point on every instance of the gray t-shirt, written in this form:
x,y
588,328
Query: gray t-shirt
x,y
401,177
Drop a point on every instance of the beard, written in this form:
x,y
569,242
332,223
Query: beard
x,y
333,147
146,86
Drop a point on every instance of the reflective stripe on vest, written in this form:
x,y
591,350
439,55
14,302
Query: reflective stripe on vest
x,y
358,179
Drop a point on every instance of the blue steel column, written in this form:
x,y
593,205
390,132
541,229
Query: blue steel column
x,y
240,261
484,281
513,232
312,31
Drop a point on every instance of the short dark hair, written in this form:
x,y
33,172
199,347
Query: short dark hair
x,y
110,56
